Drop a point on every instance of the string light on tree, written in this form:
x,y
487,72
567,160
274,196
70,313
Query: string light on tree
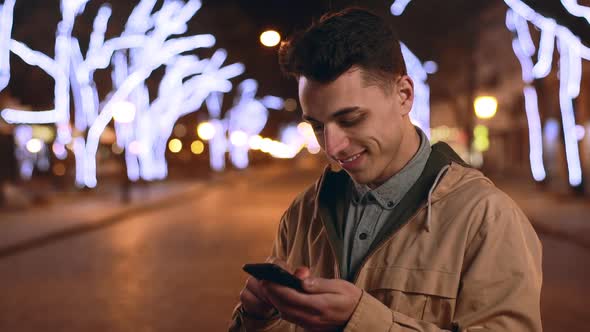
x,y
151,39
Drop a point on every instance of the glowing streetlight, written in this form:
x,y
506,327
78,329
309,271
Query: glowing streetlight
x,y
270,38
34,145
124,112
485,107
197,147
175,145
206,131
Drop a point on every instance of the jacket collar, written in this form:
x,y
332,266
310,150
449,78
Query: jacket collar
x,y
333,191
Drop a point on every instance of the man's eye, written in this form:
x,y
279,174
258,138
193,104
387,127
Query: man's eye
x,y
350,122
318,127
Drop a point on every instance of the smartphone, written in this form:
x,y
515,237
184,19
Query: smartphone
x,y
273,273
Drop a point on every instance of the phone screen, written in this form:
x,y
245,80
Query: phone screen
x,y
273,273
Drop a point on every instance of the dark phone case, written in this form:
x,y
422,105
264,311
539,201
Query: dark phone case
x,y
274,273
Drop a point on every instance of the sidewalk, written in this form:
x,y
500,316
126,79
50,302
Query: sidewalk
x,y
67,214
561,215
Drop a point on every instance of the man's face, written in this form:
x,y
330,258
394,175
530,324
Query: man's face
x,y
360,126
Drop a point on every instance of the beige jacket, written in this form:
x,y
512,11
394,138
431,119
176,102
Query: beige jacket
x,y
466,259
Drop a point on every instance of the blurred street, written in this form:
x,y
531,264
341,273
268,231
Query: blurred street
x,y
173,262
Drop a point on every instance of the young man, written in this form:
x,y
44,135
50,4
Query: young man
x,y
407,237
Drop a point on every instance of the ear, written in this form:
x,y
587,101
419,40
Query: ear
x,y
405,93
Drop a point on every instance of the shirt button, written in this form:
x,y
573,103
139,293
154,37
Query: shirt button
x,y
363,236
390,204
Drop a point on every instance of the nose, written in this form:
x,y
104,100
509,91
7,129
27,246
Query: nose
x,y
335,140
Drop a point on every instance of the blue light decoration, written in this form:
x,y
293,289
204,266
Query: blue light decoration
x,y
399,6
418,71
571,53
247,118
571,50
420,113
149,41
218,143
6,19
25,159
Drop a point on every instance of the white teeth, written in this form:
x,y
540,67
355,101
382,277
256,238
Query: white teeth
x,y
351,158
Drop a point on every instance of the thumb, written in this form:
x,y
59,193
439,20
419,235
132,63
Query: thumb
x,y
321,285
302,272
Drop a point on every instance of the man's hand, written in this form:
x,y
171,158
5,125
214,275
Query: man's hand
x,y
326,305
253,298
254,301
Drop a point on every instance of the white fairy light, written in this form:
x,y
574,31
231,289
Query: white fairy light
x,y
420,113
398,7
146,44
572,51
6,22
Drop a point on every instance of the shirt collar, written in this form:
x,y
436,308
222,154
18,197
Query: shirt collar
x,y
388,194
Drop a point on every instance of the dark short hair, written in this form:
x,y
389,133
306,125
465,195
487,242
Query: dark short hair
x,y
341,40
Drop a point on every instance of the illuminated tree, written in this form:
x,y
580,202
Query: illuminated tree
x,y
571,54
150,40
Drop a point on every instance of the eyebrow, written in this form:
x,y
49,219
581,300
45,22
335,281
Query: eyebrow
x,y
339,113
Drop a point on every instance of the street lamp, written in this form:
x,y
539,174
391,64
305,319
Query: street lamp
x,y
485,107
270,38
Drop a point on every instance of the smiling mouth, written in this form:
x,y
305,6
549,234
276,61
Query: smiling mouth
x,y
351,159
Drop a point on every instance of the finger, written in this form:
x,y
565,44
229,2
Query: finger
x,y
285,297
302,272
321,285
253,305
255,287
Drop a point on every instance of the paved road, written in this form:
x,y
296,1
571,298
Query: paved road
x,y
178,269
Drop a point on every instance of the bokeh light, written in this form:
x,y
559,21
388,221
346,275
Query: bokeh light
x,y
255,142
123,111
197,147
175,145
270,38
239,138
34,145
290,105
180,130
485,107
206,131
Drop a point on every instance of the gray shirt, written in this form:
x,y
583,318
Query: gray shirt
x,y
370,208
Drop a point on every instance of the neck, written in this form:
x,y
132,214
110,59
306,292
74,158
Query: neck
x,y
408,148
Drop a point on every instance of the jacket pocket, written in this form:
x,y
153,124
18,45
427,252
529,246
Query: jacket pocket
x,y
422,294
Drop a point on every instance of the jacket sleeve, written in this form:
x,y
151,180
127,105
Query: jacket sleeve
x,y
500,284
241,322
